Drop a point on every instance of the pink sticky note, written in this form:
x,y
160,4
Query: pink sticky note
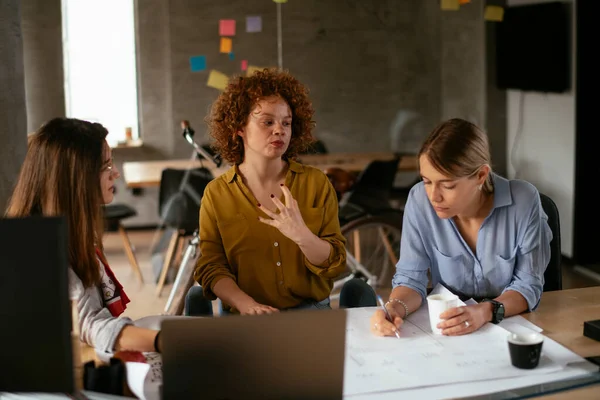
x,y
227,27
244,65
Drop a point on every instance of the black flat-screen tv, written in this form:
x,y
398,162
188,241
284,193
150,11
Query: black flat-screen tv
x,y
533,48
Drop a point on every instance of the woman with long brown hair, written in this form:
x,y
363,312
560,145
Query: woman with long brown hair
x,y
68,171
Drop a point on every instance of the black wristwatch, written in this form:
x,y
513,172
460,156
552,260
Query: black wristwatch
x,y
497,310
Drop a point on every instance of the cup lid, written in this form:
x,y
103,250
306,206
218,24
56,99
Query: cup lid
x,y
525,338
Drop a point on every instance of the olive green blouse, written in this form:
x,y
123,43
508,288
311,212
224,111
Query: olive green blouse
x,y
263,262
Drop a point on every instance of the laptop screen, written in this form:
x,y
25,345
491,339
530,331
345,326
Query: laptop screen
x,y
287,355
35,308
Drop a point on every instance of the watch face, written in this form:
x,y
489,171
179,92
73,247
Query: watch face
x,y
500,312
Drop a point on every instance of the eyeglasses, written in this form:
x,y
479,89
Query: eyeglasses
x,y
109,166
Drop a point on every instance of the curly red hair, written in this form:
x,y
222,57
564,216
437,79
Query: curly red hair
x,y
229,113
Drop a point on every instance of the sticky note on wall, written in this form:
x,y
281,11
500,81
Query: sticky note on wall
x,y
217,80
244,65
253,23
252,69
227,27
494,13
226,45
449,5
197,63
464,1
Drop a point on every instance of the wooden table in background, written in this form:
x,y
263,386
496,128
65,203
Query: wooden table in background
x,y
142,174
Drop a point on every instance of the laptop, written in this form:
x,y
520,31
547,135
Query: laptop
x,y
287,355
35,313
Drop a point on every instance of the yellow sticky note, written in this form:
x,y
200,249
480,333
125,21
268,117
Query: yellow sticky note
x,y
452,5
279,1
217,80
226,45
494,13
253,68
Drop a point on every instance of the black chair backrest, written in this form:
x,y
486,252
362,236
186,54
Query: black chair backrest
x,y
317,147
373,186
553,274
179,206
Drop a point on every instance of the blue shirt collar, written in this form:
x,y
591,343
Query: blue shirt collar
x,y
502,195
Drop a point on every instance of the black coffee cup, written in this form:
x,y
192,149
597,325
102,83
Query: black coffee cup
x,y
525,349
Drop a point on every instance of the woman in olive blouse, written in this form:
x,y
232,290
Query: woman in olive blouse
x,y
269,228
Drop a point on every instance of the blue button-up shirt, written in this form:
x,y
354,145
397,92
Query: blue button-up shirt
x,y
513,246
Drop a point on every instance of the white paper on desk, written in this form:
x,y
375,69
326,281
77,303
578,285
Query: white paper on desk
x,y
518,324
514,324
144,379
479,388
136,377
375,364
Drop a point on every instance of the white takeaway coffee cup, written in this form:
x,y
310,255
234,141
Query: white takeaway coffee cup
x,y
437,304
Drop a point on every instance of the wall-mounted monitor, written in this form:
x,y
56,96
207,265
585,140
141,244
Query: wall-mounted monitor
x,y
533,48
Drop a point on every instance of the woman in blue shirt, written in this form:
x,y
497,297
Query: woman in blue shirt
x,y
478,234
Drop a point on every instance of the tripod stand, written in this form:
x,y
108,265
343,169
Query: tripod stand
x,y
173,204
184,280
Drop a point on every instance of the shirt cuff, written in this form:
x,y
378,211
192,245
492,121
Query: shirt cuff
x,y
332,266
529,294
119,324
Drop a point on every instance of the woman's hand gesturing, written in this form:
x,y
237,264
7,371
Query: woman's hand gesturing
x,y
289,221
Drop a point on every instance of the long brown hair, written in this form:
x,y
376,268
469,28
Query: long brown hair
x,y
61,177
458,148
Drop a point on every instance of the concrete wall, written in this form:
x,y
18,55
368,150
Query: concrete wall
x,y
13,120
43,61
543,126
362,63
381,74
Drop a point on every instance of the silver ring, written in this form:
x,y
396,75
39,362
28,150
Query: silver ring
x,y
467,324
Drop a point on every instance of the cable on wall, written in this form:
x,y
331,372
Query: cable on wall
x,y
518,134
279,38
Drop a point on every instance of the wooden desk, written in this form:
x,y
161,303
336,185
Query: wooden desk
x,y
561,315
140,174
586,393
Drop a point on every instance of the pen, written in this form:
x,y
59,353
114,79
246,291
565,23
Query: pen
x,y
387,314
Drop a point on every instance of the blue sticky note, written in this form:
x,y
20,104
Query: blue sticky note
x,y
231,56
254,23
198,63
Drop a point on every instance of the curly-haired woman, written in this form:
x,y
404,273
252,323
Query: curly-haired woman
x,y
269,228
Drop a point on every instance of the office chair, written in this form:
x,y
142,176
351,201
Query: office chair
x,y
371,192
553,274
179,199
113,215
317,147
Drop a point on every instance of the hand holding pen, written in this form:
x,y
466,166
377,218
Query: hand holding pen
x,y
385,322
